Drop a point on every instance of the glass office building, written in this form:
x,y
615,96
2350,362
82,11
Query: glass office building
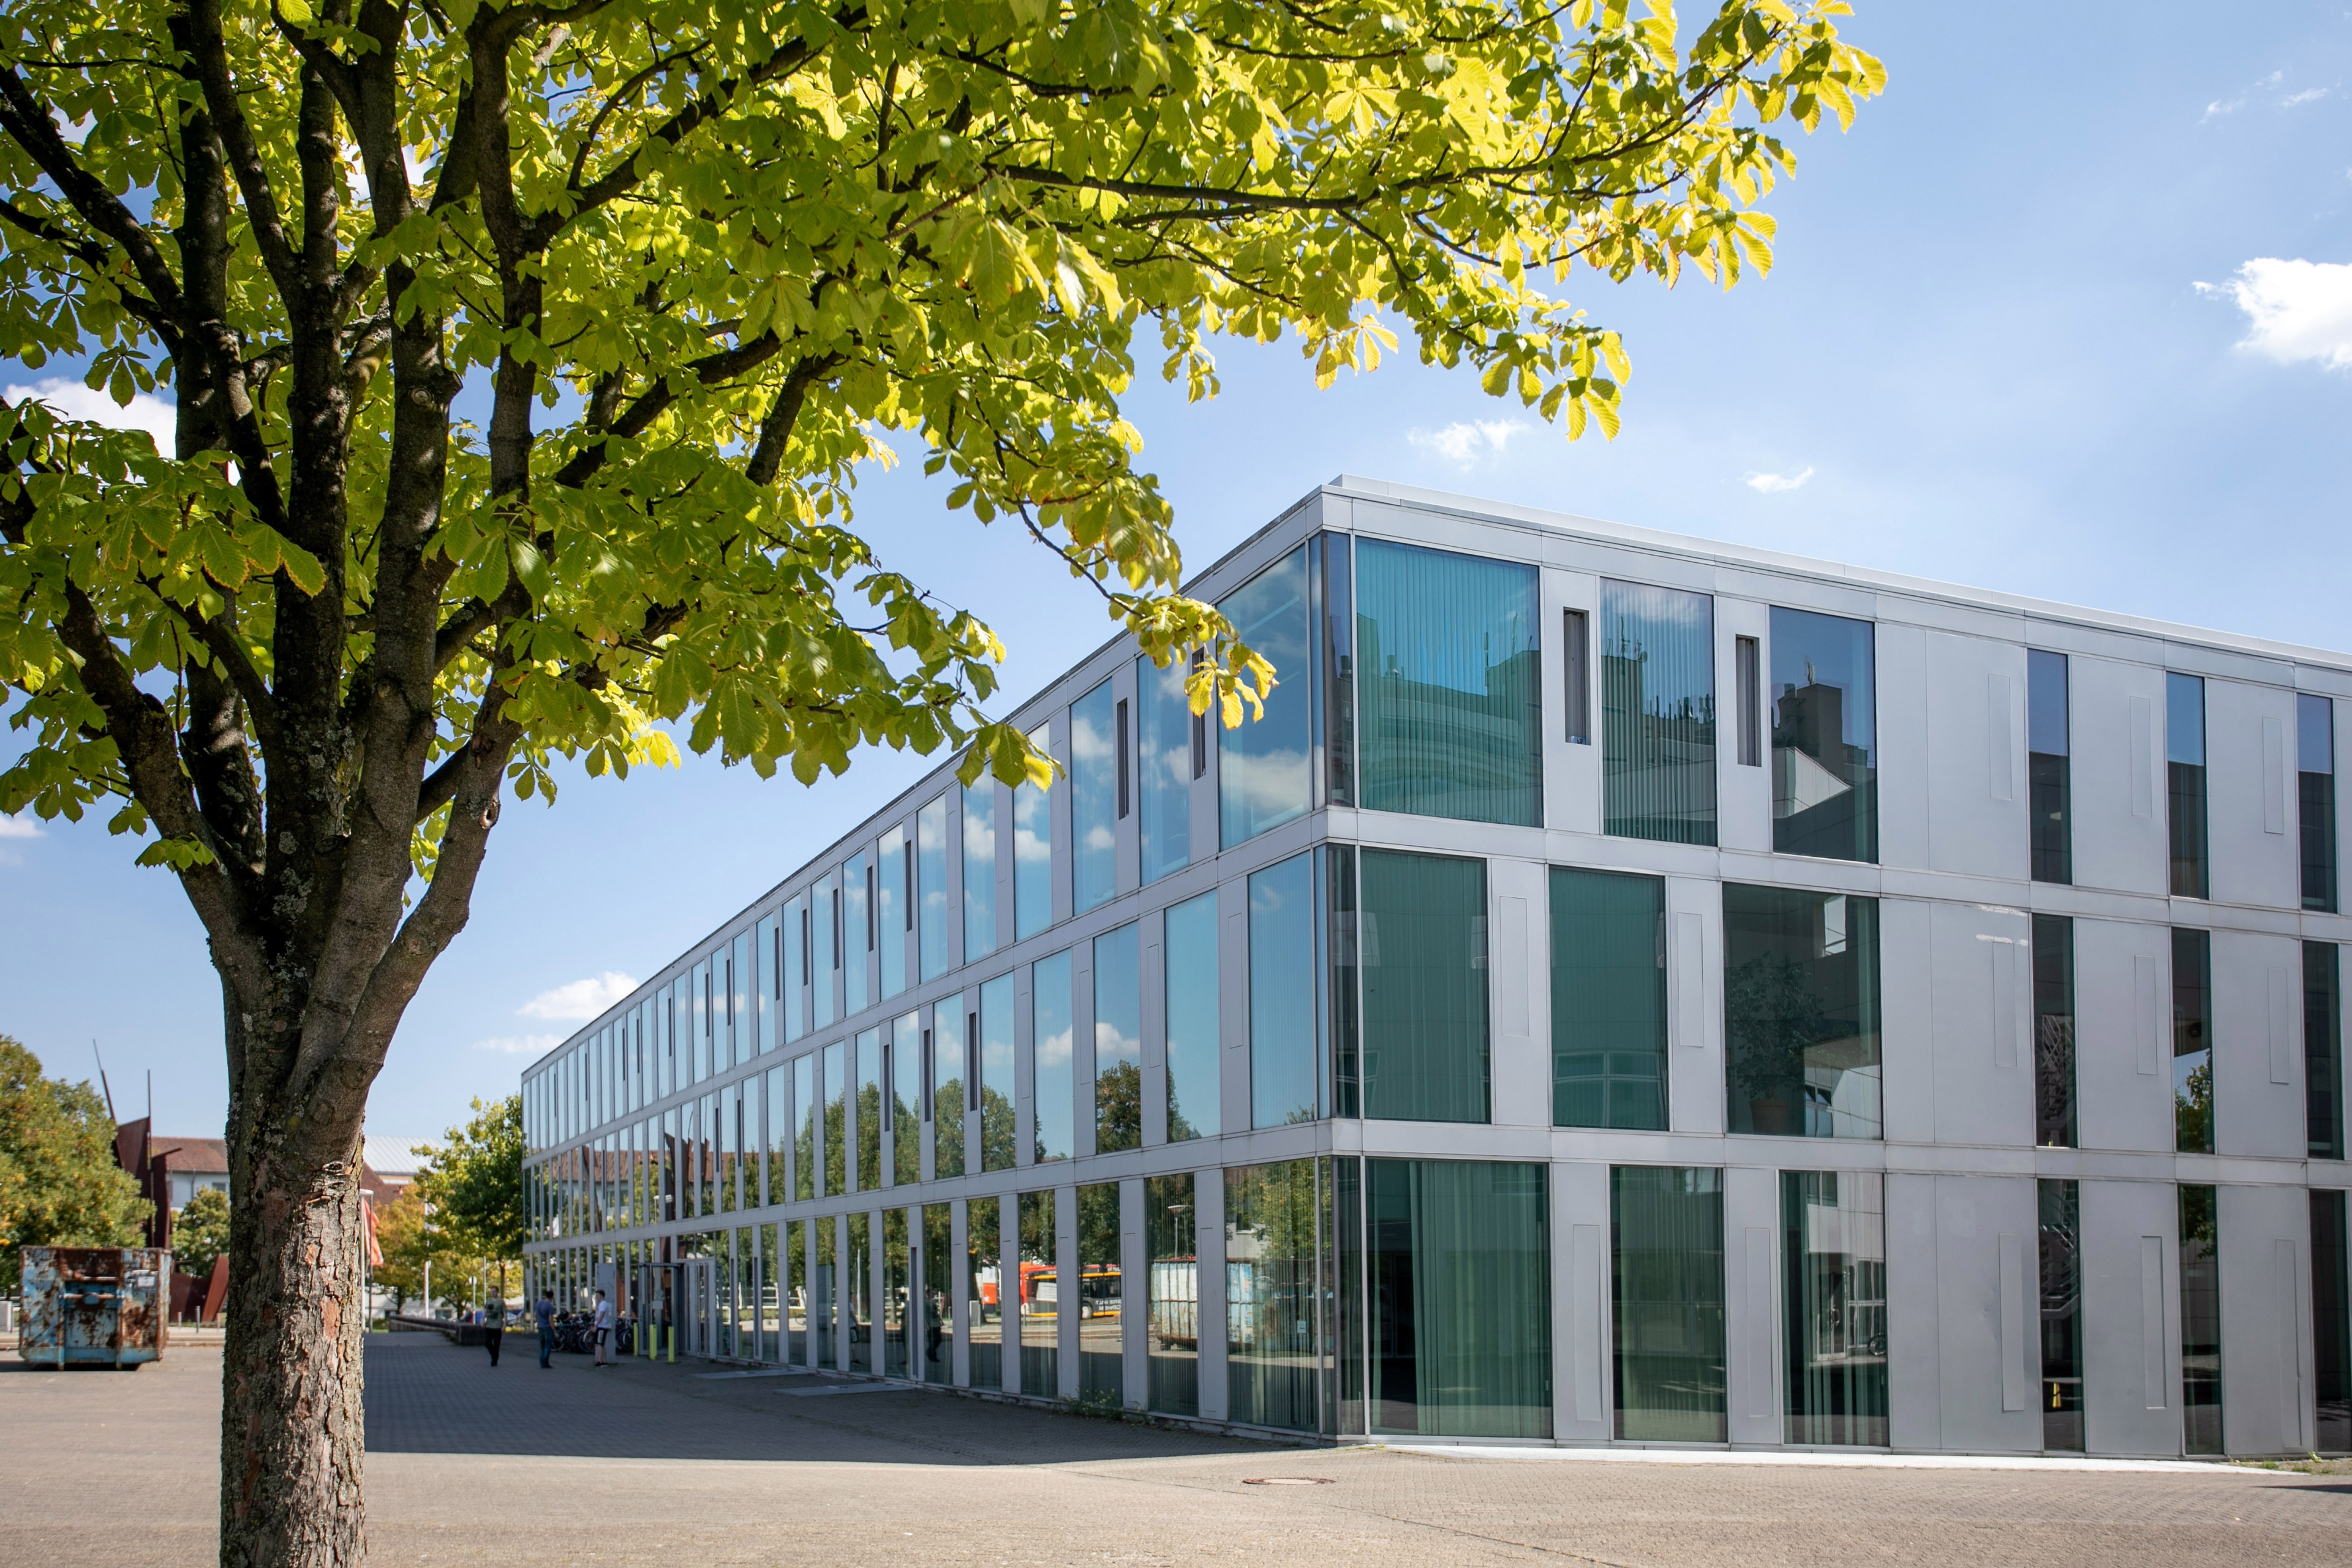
x,y
1626,989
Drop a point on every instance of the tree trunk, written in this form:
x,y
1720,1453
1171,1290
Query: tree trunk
x,y
292,1434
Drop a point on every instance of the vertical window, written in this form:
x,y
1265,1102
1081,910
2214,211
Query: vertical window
x,y
1190,959
856,931
1277,1280
1033,853
2048,767
1800,1012
2062,1315
1657,713
1450,690
1041,1353
994,1022
1265,772
1825,737
932,888
2192,1041
1341,1069
938,1326
1423,954
1120,724
1748,671
2184,770
1608,1000
1163,754
949,1091
702,1027
825,956
2314,763
893,884
1833,1224
1056,1084
1171,1256
2331,1324
2323,1050
905,1091
741,985
1094,801
1099,1300
1281,993
895,1280
979,868
1665,1227
1576,674
1335,717
857,1292
794,939
1197,737
869,1113
767,954
1458,1291
2053,1031
1119,1041
775,1186
2200,1321
984,1301
807,1140
836,1118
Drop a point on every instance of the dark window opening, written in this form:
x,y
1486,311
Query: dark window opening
x,y
1578,678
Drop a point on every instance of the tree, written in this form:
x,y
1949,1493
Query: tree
x,y
200,1232
60,1185
473,1184
697,260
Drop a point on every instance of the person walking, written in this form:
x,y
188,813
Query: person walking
x,y
494,1329
543,1310
603,1330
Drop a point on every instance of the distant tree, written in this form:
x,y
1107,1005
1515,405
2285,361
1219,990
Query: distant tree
x,y
200,1232
473,1184
60,1185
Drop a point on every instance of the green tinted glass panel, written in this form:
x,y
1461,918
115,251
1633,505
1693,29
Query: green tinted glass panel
x,y
1423,953
1800,1012
1666,1283
1276,1271
1608,1000
1833,1224
1657,713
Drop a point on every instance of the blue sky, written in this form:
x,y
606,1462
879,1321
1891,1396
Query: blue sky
x,y
2068,313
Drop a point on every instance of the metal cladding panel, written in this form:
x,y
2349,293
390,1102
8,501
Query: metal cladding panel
x,y
1751,1234
1519,968
2250,783
1695,1080
1989,1357
2267,1352
2131,1318
1982,998
1744,790
2123,1035
2258,1067
1914,1331
1582,1393
1908,1032
1976,801
1571,770
1904,765
2116,716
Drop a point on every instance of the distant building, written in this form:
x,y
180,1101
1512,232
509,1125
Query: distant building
x,y
194,1165
387,1165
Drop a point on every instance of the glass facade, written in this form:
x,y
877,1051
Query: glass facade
x,y
858,1314
1665,1227
2192,1041
1800,1005
898,1279
837,1117
1056,1083
2053,1031
1278,1288
2314,751
1265,768
894,908
1449,689
1102,1354
997,1101
2201,1320
2048,767
1423,959
1657,713
1093,799
1458,1299
932,888
825,972
1281,993
1824,736
2331,1323
1119,1041
1608,1000
2323,1050
867,1115
1834,1279
1163,767
1033,853
856,933
937,1298
1172,1267
984,1300
906,1107
979,868
951,1091
1040,1297
2184,782
1193,1053
2062,1315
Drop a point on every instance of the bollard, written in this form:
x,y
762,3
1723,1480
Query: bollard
x,y
670,1334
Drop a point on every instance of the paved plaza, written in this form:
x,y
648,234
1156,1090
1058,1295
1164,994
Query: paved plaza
x,y
645,1464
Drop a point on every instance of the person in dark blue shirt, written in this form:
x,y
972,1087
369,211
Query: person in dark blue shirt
x,y
543,1310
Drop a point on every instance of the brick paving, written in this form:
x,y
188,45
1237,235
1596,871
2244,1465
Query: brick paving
x,y
647,1464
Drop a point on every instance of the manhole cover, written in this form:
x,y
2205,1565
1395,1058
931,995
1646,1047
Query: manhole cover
x,y
1288,1481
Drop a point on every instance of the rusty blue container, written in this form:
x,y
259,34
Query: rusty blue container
x,y
94,1306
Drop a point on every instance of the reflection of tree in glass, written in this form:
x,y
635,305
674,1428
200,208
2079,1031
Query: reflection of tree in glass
x,y
1119,1108
1773,1016
2192,1109
804,1158
947,1129
1179,1126
996,1129
906,1142
1098,1223
870,1136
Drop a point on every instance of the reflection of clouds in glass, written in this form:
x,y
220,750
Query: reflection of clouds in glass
x,y
1111,1047
1053,1050
1030,846
1272,784
1088,744
1100,837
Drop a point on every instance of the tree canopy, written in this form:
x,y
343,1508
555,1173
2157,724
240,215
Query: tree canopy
x,y
473,1182
200,1232
60,1185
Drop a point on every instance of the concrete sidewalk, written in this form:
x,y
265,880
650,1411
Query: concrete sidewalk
x,y
658,1464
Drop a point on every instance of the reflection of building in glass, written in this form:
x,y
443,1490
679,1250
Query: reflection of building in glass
x,y
1474,1048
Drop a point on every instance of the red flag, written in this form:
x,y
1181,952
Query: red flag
x,y
367,1222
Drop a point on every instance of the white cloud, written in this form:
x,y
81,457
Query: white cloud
x,y
1773,484
520,1045
75,401
2272,88
1464,442
19,828
580,1001
2308,95
2295,310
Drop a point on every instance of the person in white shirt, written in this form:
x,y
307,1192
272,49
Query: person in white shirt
x,y
603,1330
